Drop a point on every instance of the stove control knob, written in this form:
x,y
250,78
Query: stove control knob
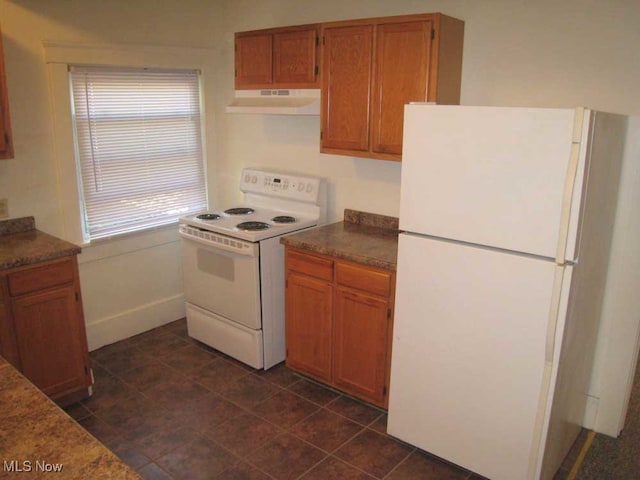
x,y
247,178
309,187
300,186
254,179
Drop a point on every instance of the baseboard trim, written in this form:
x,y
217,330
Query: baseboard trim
x,y
573,473
591,412
132,322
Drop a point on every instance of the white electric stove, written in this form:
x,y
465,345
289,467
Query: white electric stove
x,y
234,264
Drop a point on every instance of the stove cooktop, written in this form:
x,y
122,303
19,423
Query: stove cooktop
x,y
250,223
274,204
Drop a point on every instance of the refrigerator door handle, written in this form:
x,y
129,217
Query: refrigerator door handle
x,y
557,318
535,464
576,161
558,308
567,201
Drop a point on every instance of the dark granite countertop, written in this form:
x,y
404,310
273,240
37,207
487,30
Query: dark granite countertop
x,y
34,429
362,237
21,244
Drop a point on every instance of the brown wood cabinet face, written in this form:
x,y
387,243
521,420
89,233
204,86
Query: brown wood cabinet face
x,y
310,265
8,346
411,58
50,343
294,58
401,67
254,60
6,140
277,58
346,79
360,344
309,306
375,282
41,277
42,331
338,323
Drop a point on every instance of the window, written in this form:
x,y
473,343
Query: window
x,y
138,147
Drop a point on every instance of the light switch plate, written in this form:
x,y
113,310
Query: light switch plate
x,y
4,207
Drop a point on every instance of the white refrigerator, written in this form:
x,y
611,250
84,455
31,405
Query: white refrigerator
x,y
507,216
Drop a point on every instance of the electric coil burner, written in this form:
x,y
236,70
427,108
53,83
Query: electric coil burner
x,y
234,266
284,219
252,226
208,216
239,211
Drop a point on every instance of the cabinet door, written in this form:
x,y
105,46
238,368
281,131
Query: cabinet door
x,y
346,80
8,348
309,309
51,340
294,58
360,345
6,142
401,73
254,61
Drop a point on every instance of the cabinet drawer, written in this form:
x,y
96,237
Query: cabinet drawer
x,y
41,277
373,281
310,265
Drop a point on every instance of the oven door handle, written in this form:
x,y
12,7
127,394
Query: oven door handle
x,y
219,242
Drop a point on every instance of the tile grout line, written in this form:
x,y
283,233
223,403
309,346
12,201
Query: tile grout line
x,y
328,454
240,458
197,433
370,425
400,463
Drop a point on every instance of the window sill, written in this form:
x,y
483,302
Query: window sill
x,y
129,242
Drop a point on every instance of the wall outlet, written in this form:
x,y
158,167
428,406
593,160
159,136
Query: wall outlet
x,y
4,207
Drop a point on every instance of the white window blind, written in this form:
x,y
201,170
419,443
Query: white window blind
x,y
139,147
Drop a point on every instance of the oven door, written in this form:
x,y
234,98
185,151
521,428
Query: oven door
x,y
223,280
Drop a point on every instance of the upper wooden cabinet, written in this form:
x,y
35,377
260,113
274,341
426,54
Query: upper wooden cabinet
x,y
346,87
6,141
277,58
371,68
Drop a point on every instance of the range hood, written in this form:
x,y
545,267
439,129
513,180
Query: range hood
x,y
276,102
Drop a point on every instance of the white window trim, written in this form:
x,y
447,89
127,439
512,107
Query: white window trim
x,y
58,56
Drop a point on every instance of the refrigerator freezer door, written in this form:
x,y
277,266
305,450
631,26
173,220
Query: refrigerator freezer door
x,y
469,378
494,176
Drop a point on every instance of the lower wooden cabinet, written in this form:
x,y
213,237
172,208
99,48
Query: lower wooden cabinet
x,y
360,344
339,321
42,327
309,304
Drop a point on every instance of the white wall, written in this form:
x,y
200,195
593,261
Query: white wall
x,y
128,285
517,52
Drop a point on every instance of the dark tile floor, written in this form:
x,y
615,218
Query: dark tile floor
x,y
173,408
